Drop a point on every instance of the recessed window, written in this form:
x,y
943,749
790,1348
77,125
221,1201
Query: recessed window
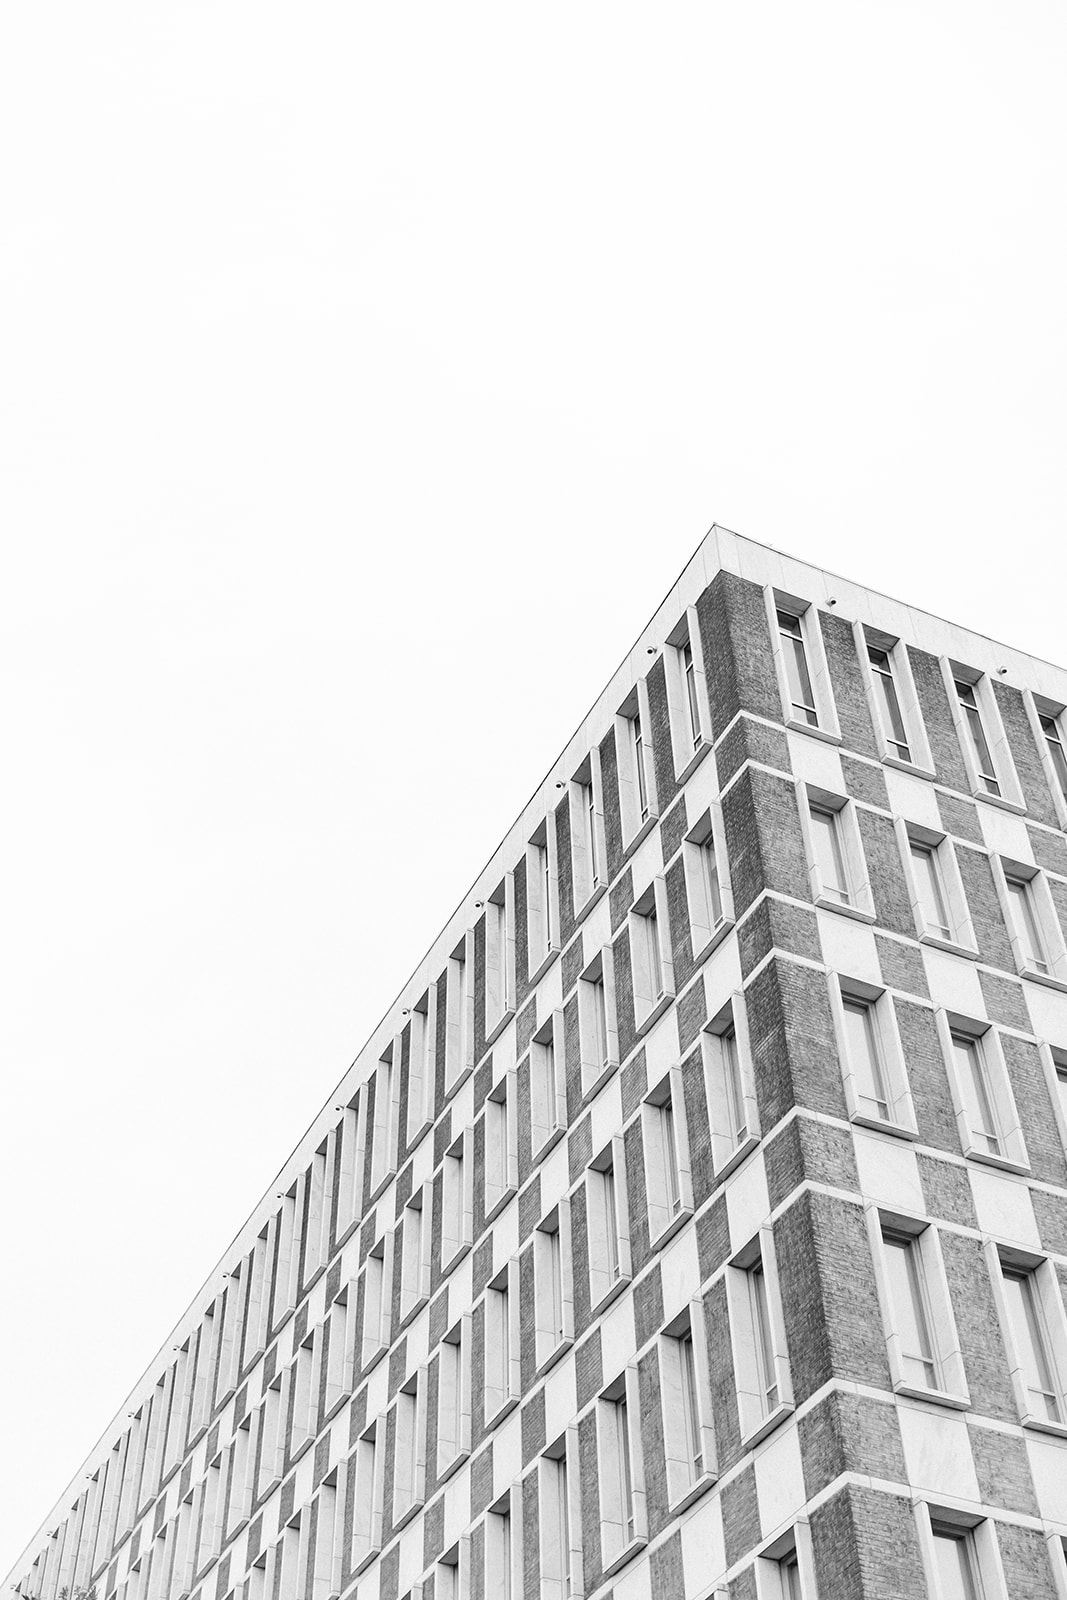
x,y
548,1105
459,997
607,1224
364,1493
456,1203
956,1561
598,1037
500,1158
768,1392
414,1256
558,1535
830,860
640,766
453,1399
373,1306
888,702
501,1339
987,1118
1024,917
421,1064
409,1465
688,1436
1050,727
876,1077
865,1056
912,1320
689,682
638,805
1031,1336
650,955
798,675
499,957
933,899
502,1580
966,694
789,1577
668,1183
554,1324
732,1109
978,1097
620,1473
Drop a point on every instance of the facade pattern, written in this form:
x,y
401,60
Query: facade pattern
x,y
695,1223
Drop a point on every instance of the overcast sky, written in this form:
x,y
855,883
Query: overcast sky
x,y
367,374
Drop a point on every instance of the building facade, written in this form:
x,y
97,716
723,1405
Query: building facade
x,y
695,1223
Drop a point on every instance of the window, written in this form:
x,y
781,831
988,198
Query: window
x,y
707,889
1036,1337
986,1115
620,1476
501,1341
911,1310
689,679
640,767
933,900
599,1042
558,1523
500,1160
548,1103
422,1062
888,702
554,1325
732,1108
503,1576
830,862
409,1463
271,1438
668,1182
541,920
790,1577
1050,728
414,1257
499,957
456,1203
588,845
459,1018
798,677
650,956
977,743
363,1493
607,1224
689,1441
304,1408
373,1303
757,1336
637,779
383,1134
956,1564
1055,1060
876,1081
1024,918
921,1340
453,1399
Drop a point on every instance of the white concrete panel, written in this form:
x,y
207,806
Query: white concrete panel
x,y
617,1336
954,983
1048,1012
937,1451
816,761
1003,1207
888,1171
703,1546
661,1046
747,1202
561,1399
912,798
1005,833
1048,1464
848,947
680,1271
780,1480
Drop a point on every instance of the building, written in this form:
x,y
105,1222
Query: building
x,y
695,1224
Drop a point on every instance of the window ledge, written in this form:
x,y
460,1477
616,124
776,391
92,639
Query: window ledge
x,y
452,1465
373,1362
592,898
626,1554
596,1078
380,1187
403,1520
937,943
412,1311
784,1409
557,1354
622,1282
1043,1425
538,972
898,1130
1002,1163
492,1033
916,768
364,1560
719,933
678,1221
939,1397
503,1199
642,1026
544,1147
455,1258
1001,802
492,1419
1045,978
705,1482
630,845
824,734
684,772
743,1150
843,910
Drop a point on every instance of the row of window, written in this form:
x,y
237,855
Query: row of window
x,y
353,1518
894,705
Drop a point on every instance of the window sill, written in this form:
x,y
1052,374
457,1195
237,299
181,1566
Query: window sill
x,y
406,1516
771,1421
937,1397
622,1282
452,1465
825,734
1002,1163
492,1419
416,1135
1001,802
373,1361
683,773
455,1258
364,1560
718,935
452,1084
413,1311
594,896
627,1553
855,912
736,1156
937,943
706,1481
630,845
538,1152
1044,978
896,1130
1043,1425
503,1199
666,1234
595,1077
643,1024
375,1193
556,1355
493,1032
537,973
915,768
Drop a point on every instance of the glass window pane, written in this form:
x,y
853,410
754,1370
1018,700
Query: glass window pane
x,y
864,1055
1032,1344
1050,728
1021,895
911,1317
888,702
932,901
796,668
712,888
735,1100
761,1330
689,671
829,856
979,746
977,1097
957,1576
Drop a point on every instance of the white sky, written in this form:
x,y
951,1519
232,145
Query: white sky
x,y
367,375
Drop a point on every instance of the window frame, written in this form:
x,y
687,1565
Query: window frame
x,y
505,1284
371,1333
409,1413
589,847
860,902
913,835
794,1545
501,1145
548,1086
1039,707
649,1005
562,1561
806,612
1007,872
755,1418
542,899
459,1014
634,825
453,1399
684,1483
595,1071
846,991
621,1501
500,971
552,1342
893,647
706,931
689,745
415,1277
668,1194
607,1283
934,1521
1003,1259
1009,795
923,1237
457,1202
1013,1156
728,1151
364,1491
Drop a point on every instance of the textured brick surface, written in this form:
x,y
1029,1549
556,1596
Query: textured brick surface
x,y
850,1433
1024,1557
886,871
902,966
866,1547
864,781
1005,1001
946,1191
1034,1106
673,828
736,642
740,1515
959,817
985,1360
813,1151
990,930
777,925
791,1032
764,842
935,1115
1050,850
1003,1470
1024,753
937,717
751,741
